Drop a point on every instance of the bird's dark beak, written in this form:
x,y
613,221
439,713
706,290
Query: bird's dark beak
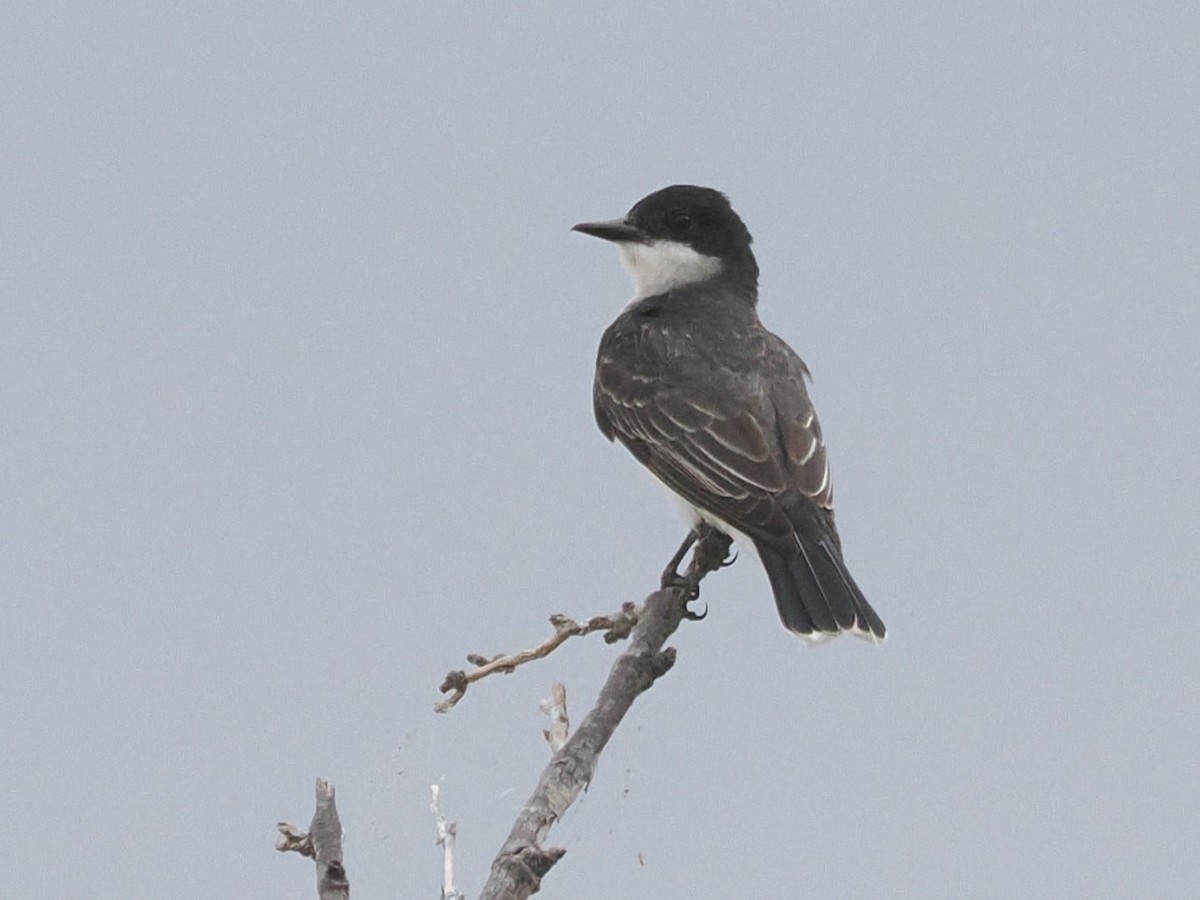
x,y
616,230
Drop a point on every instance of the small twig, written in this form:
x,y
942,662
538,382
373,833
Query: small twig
x,y
447,833
323,843
556,709
615,627
522,862
294,840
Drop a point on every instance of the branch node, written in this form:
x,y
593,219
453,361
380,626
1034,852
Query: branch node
x,y
662,663
527,866
541,860
292,839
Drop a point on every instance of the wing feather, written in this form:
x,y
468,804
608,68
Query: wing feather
x,y
737,442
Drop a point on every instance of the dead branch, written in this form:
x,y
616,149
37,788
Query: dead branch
x,y
615,627
447,835
522,862
323,843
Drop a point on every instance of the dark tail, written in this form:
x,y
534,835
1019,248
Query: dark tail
x,y
814,592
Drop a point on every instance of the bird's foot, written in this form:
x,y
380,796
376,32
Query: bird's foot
x,y
712,551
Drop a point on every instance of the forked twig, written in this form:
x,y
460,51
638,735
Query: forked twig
x,y
615,627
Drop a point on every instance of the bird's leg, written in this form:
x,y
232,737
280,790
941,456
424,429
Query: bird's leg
x,y
670,576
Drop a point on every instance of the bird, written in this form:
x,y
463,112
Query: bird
x,y
692,383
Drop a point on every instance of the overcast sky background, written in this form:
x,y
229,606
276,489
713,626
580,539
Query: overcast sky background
x,y
295,370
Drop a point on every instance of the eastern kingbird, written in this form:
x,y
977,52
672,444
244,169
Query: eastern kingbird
x,y
689,380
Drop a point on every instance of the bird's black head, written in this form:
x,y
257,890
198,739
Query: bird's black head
x,y
697,216
681,235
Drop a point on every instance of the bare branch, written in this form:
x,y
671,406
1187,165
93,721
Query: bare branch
x,y
447,834
522,862
323,843
615,627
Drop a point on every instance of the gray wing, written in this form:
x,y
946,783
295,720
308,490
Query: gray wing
x,y
741,444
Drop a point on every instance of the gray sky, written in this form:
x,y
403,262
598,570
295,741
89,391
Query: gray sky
x,y
295,363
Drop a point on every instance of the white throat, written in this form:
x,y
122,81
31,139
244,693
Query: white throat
x,y
662,265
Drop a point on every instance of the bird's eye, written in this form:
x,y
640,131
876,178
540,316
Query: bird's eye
x,y
678,221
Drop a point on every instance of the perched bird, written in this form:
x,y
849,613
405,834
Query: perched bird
x,y
715,405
